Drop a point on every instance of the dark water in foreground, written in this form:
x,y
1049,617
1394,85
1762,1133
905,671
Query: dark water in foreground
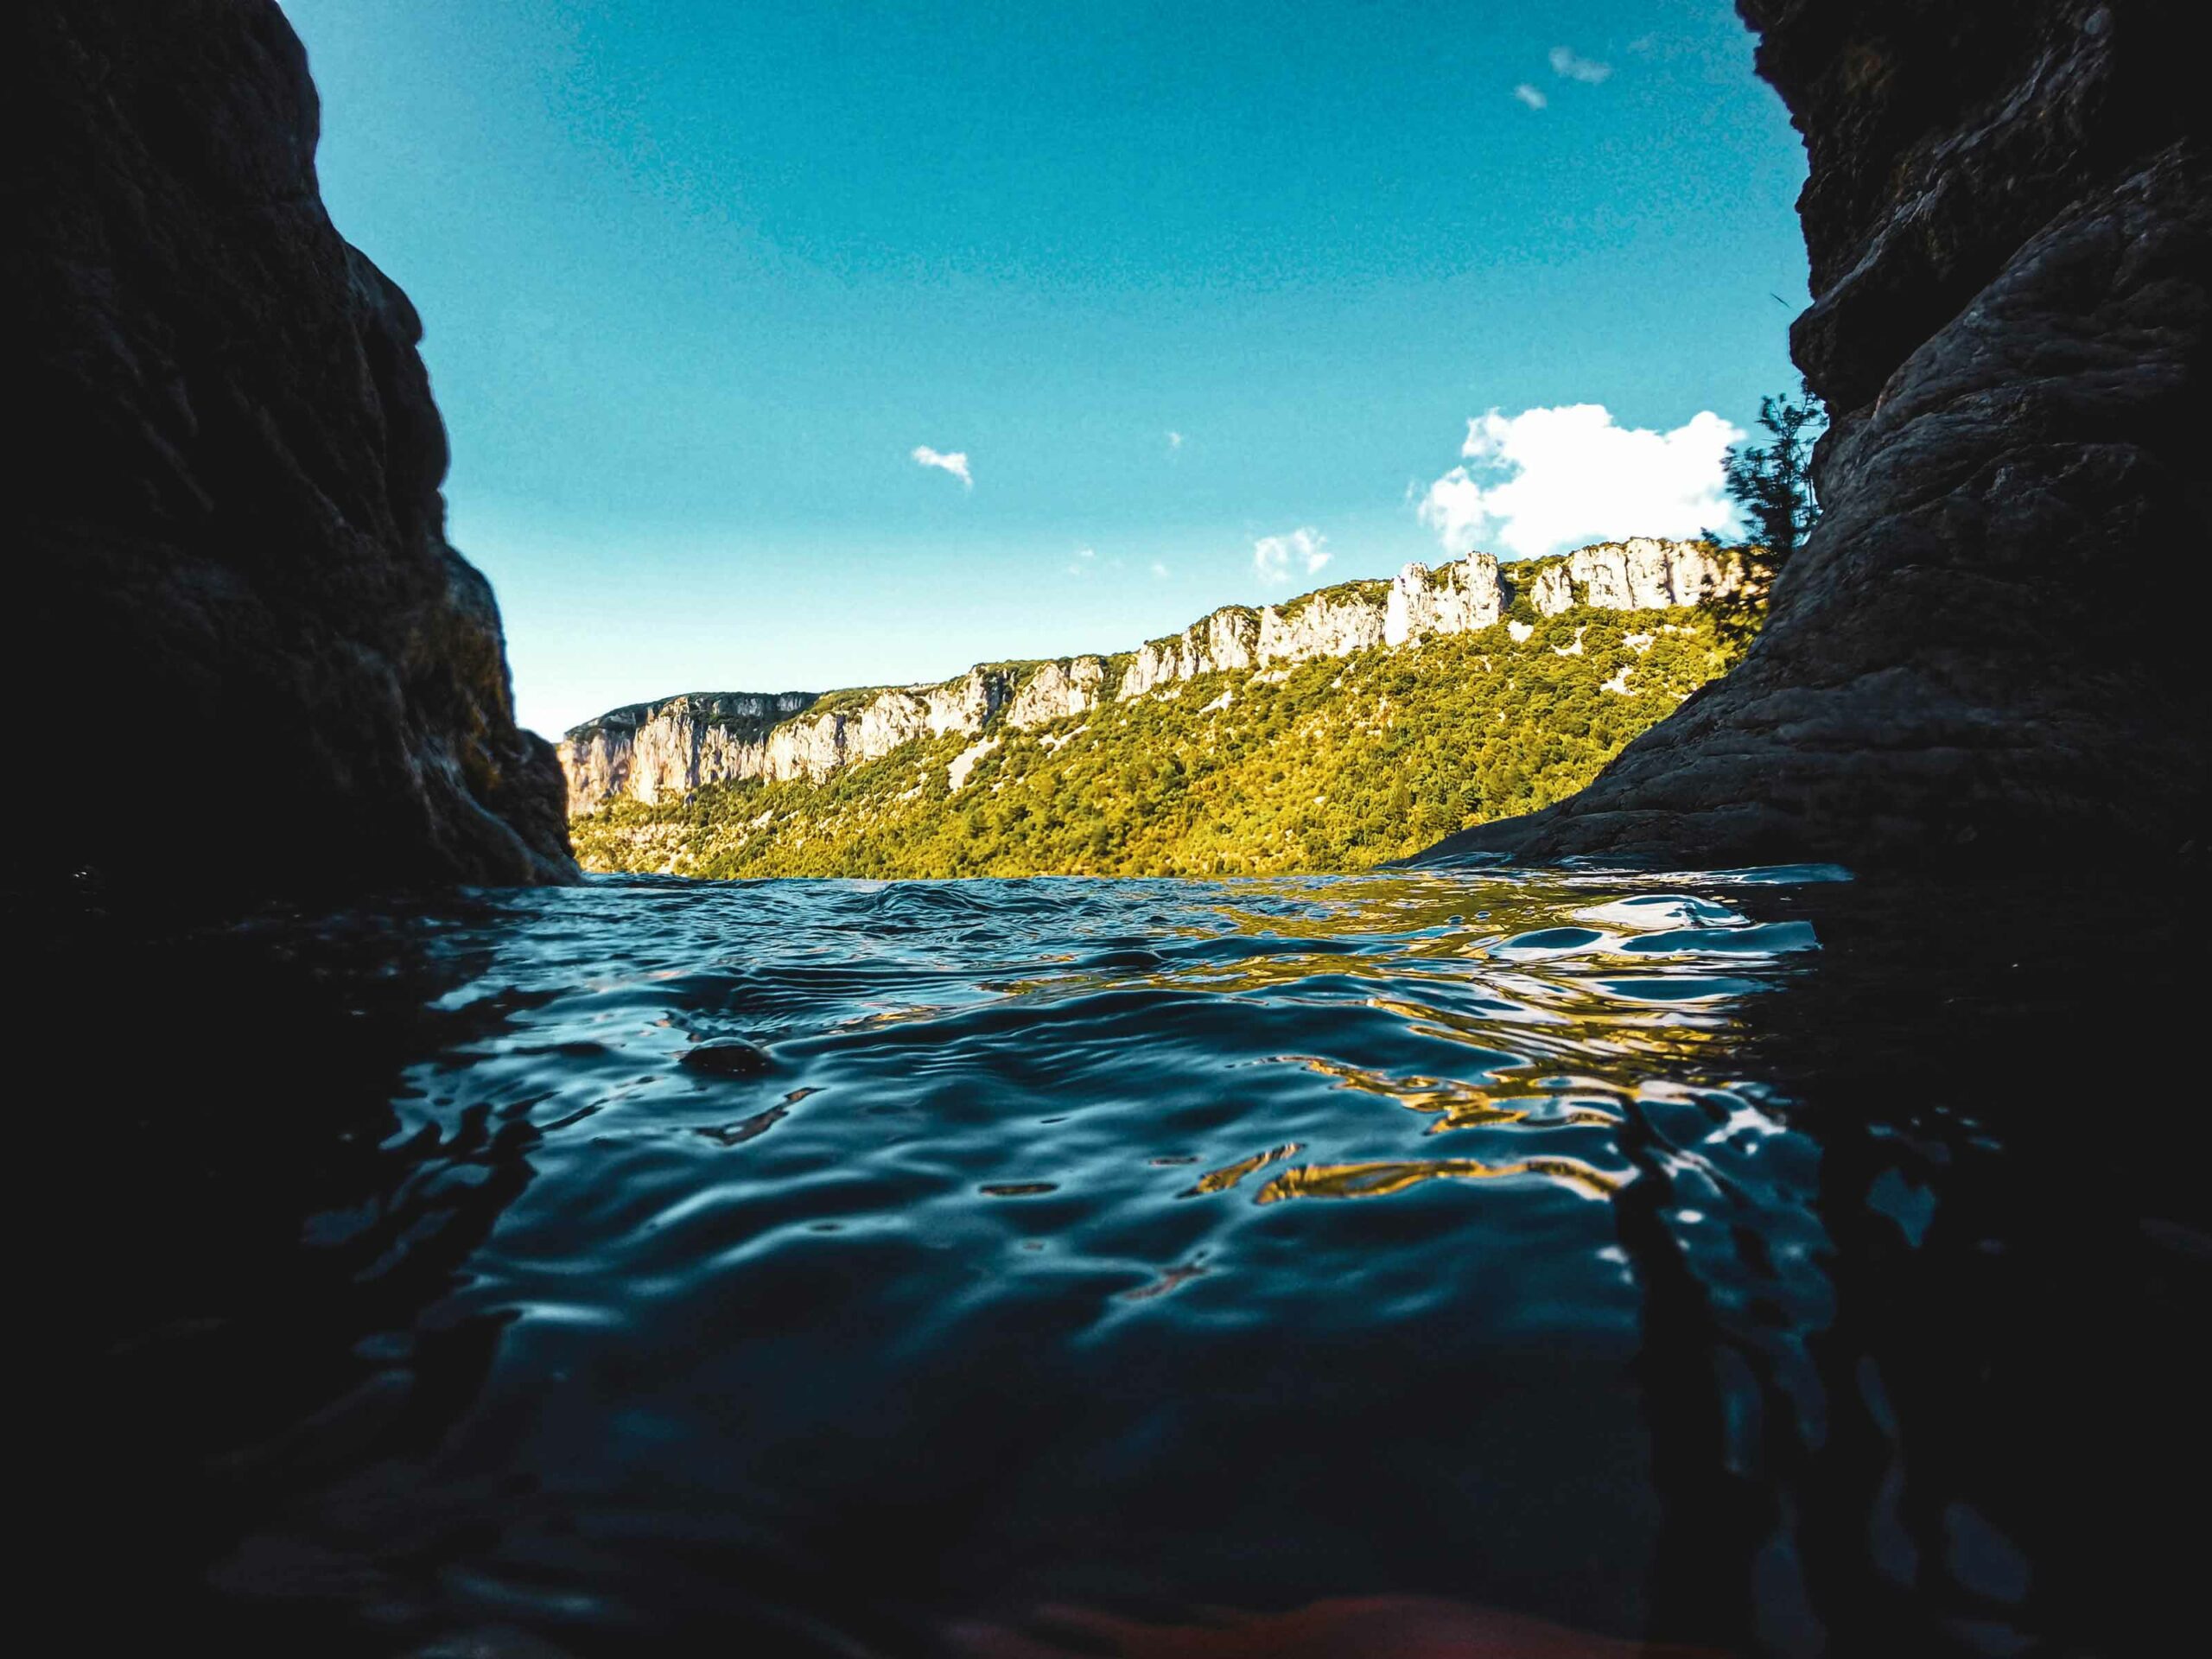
x,y
1440,1263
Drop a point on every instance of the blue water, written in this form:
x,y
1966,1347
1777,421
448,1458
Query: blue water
x,y
1395,1263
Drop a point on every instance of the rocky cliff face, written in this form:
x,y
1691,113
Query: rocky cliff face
x,y
1225,642
659,751
227,501
655,750
1991,643
1055,691
1458,599
1637,574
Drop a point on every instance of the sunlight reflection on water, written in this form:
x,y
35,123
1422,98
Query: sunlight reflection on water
x,y
799,1154
867,1264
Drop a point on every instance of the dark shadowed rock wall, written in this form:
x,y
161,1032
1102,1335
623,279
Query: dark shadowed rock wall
x,y
1995,644
263,669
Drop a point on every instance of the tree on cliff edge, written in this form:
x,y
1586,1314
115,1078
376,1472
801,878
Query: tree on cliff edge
x,y
1771,483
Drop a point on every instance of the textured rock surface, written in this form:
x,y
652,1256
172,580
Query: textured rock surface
x,y
1225,642
1056,690
1637,574
1334,622
1458,599
1993,643
659,750
656,750
227,511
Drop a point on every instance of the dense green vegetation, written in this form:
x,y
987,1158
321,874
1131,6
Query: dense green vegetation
x,y
1771,483
1330,766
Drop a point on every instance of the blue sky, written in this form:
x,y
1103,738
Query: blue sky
x,y
700,277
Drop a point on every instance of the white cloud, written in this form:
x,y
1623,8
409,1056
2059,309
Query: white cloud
x,y
1159,570
1298,551
1565,62
1174,441
955,463
1531,96
1551,479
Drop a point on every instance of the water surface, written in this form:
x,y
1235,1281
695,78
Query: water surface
x,y
1391,1263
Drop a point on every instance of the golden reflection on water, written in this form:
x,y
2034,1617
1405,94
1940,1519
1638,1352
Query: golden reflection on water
x,y
1377,1180
1557,1035
1530,1018
1559,1039
1460,1103
1228,1175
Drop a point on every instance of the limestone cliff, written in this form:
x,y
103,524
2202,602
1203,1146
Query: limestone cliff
x,y
1458,599
1991,645
654,752
226,495
1638,574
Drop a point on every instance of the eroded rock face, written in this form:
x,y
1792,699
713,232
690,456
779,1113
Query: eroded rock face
x,y
654,752
1056,690
1334,622
659,751
228,510
1226,641
1460,598
1643,574
1991,645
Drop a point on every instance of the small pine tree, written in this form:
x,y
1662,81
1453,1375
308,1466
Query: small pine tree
x,y
1771,483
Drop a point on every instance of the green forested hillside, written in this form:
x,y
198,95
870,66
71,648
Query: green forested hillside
x,y
1333,765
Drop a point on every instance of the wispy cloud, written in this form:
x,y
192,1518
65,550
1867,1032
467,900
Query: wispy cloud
x,y
1298,551
1566,62
1174,441
1531,96
1550,479
955,463
1159,570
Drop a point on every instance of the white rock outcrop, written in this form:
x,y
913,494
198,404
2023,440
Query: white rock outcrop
x,y
1335,622
1056,690
662,751
1227,641
1460,598
957,769
1638,574
654,750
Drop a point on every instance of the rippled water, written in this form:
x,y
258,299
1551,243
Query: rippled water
x,y
1457,1262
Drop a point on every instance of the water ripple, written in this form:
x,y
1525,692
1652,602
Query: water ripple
x,y
883,1266
1380,1264
789,1156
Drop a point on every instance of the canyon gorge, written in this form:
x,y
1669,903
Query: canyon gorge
x,y
230,496
652,751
